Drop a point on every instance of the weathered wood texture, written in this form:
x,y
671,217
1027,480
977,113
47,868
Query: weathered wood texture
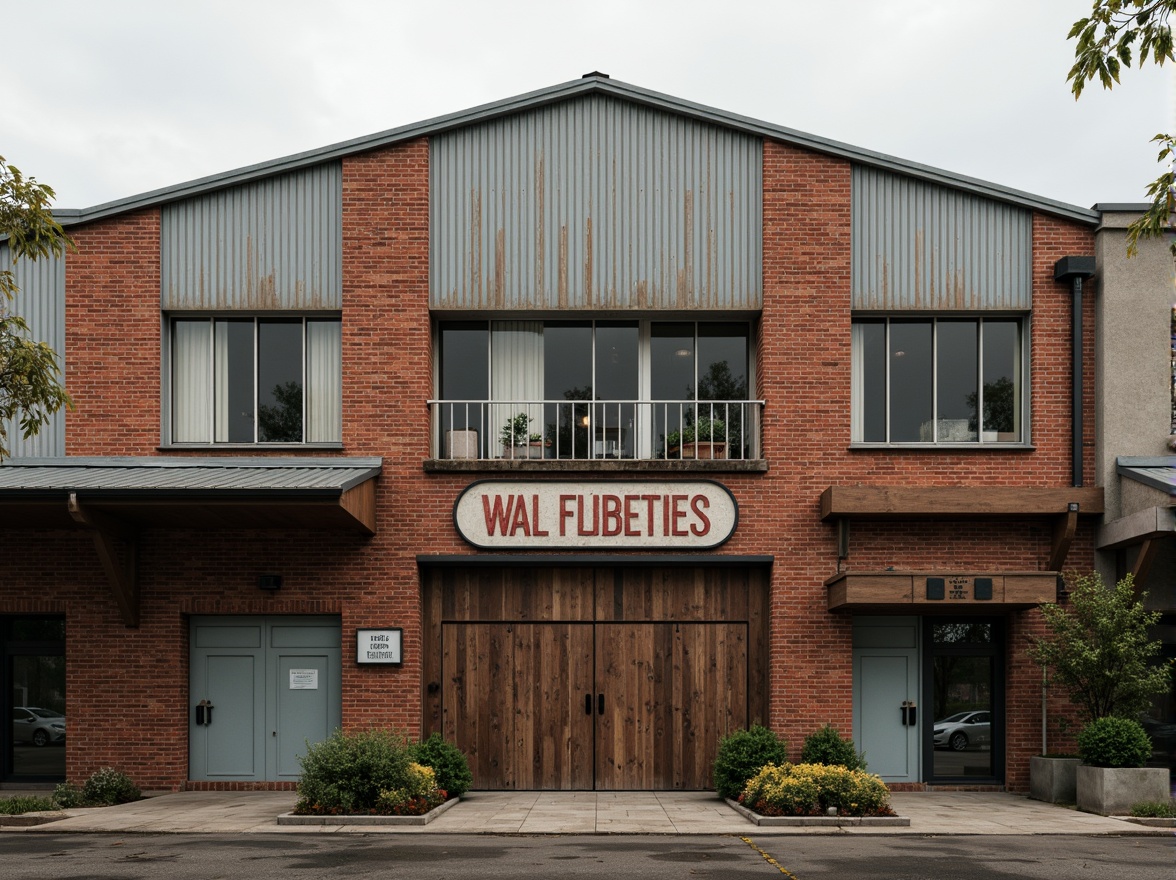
x,y
632,689
962,501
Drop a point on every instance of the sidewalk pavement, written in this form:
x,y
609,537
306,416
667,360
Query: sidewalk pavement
x,y
480,812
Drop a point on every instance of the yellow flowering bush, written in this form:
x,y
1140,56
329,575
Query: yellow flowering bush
x,y
810,789
418,795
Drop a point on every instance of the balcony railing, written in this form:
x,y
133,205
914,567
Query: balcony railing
x,y
586,430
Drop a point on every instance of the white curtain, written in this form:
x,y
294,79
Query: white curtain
x,y
516,375
221,381
324,382
192,381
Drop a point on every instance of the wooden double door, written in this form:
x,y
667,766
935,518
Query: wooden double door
x,y
611,677
593,705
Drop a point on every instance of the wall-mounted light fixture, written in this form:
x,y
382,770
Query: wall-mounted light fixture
x,y
269,582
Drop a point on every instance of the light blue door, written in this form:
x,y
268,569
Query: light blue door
x,y
885,677
273,685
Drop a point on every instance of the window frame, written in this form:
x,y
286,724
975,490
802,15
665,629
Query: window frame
x,y
1024,384
168,377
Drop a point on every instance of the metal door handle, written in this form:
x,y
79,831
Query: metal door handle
x,y
587,704
600,704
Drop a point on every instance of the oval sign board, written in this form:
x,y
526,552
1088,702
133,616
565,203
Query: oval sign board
x,y
617,515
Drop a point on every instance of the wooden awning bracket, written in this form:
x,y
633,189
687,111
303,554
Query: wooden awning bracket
x,y
122,574
1063,535
1143,560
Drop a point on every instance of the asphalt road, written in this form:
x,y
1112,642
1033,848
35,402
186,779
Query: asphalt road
x,y
36,856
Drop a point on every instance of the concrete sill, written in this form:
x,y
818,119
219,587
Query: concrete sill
x,y
293,819
820,821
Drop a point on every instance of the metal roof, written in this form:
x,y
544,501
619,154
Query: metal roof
x,y
190,493
589,84
185,477
1159,472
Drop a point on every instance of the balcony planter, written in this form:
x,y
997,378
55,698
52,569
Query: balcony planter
x,y
702,449
1113,791
706,439
1053,779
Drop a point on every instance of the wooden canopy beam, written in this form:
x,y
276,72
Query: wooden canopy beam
x,y
905,502
1063,536
122,575
1147,554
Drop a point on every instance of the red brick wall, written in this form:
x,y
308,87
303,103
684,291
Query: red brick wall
x,y
127,689
112,366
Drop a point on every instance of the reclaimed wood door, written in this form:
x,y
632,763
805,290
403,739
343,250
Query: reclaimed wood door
x,y
514,702
666,694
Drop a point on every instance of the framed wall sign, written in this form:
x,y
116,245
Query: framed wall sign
x,y
379,646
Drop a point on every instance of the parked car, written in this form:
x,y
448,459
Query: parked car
x,y
40,727
963,729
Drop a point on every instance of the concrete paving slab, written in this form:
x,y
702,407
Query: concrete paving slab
x,y
931,813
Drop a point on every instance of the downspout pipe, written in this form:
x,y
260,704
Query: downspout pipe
x,y
1075,270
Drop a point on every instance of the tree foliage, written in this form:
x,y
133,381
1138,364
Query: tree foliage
x,y
1107,41
30,385
1098,649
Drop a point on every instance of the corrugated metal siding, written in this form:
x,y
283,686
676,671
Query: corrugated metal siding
x,y
273,244
919,246
595,204
41,302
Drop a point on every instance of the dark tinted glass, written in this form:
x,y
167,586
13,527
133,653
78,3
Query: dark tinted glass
x,y
910,382
957,359
873,336
239,383
1002,357
279,381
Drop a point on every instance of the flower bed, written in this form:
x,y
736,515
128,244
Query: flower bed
x,y
830,793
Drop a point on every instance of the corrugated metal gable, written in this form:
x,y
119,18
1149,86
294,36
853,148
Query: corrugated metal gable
x,y
595,203
41,302
271,244
919,246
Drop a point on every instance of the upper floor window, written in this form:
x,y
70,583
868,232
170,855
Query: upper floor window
x,y
596,389
256,380
938,380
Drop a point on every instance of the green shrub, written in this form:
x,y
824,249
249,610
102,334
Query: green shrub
x,y
742,754
448,762
1154,810
1114,742
366,772
419,794
107,786
68,796
811,789
827,746
18,804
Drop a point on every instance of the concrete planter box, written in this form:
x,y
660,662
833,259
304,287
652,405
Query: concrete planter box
x,y
294,819
1112,791
820,821
1054,780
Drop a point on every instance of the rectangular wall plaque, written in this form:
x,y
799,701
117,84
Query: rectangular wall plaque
x,y
379,646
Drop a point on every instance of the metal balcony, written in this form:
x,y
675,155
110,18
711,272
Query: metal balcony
x,y
586,430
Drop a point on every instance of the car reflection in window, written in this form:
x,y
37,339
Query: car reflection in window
x,y
41,727
963,730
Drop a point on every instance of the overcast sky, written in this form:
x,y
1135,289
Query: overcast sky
x,y
106,99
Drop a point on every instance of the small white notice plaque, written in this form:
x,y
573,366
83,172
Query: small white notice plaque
x,y
304,679
379,646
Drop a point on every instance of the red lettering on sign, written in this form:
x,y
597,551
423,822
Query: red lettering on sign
x,y
699,504
651,499
496,517
565,513
520,518
677,501
630,515
595,529
610,516
535,530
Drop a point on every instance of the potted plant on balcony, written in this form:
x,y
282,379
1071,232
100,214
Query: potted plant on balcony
x,y
704,439
517,439
1097,648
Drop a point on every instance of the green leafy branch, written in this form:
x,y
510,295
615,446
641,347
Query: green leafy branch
x,y
1106,43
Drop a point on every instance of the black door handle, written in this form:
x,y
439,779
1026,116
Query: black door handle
x,y
600,704
587,704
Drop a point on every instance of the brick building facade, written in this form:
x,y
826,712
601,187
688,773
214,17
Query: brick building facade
x,y
885,555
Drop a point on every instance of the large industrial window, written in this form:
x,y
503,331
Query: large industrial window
x,y
256,380
940,380
596,389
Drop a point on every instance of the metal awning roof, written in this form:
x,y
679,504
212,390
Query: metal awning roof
x,y
204,492
1157,472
